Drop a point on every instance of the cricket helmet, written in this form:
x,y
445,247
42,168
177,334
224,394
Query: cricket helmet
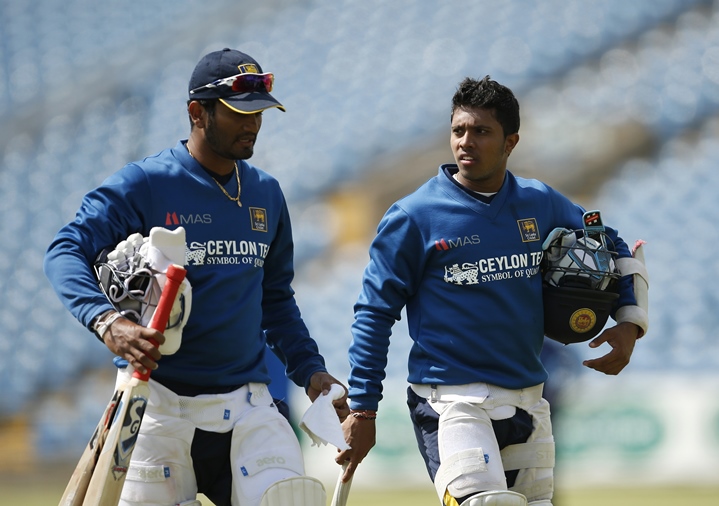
x,y
579,284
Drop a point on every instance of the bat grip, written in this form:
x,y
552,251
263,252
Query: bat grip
x,y
175,276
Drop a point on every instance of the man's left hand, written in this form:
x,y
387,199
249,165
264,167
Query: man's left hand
x,y
622,339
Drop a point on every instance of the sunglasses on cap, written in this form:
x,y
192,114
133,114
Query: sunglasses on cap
x,y
242,83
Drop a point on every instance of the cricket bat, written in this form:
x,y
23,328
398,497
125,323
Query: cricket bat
x,y
342,490
80,479
108,477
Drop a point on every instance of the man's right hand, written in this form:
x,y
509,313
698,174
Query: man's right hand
x,y
360,434
132,342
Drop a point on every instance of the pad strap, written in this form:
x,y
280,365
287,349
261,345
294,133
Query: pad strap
x,y
536,488
465,462
148,473
526,455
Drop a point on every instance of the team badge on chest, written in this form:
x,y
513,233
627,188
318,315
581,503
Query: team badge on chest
x,y
528,229
258,219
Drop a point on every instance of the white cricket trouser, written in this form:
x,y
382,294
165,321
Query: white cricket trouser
x,y
264,447
471,459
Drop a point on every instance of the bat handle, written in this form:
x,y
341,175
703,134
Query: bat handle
x,y
342,490
175,276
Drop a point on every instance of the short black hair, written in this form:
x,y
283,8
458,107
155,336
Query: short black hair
x,y
489,94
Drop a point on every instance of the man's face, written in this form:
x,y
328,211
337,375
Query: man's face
x,y
232,135
480,149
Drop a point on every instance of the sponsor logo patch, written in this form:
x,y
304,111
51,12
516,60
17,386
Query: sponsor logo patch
x,y
195,254
226,253
465,275
172,218
446,244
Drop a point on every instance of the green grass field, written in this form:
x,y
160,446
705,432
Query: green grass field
x,y
40,491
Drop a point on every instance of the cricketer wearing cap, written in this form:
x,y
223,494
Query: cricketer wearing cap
x,y
211,425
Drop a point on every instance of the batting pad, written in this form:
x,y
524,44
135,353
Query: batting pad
x,y
468,451
496,498
297,491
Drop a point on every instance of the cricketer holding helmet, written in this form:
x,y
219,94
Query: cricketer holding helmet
x,y
463,254
211,425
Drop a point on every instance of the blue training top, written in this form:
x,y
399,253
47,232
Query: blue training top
x,y
240,265
468,273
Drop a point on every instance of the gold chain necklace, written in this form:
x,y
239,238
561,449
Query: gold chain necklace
x,y
237,175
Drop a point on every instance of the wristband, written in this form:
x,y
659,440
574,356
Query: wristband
x,y
103,323
364,414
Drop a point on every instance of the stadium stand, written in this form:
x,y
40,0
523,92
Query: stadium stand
x,y
622,95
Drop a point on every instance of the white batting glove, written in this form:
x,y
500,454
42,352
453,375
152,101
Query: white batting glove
x,y
133,277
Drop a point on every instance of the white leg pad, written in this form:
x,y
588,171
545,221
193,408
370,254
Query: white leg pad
x,y
544,502
496,498
190,503
468,451
297,491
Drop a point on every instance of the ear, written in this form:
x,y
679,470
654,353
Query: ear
x,y
510,142
197,114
